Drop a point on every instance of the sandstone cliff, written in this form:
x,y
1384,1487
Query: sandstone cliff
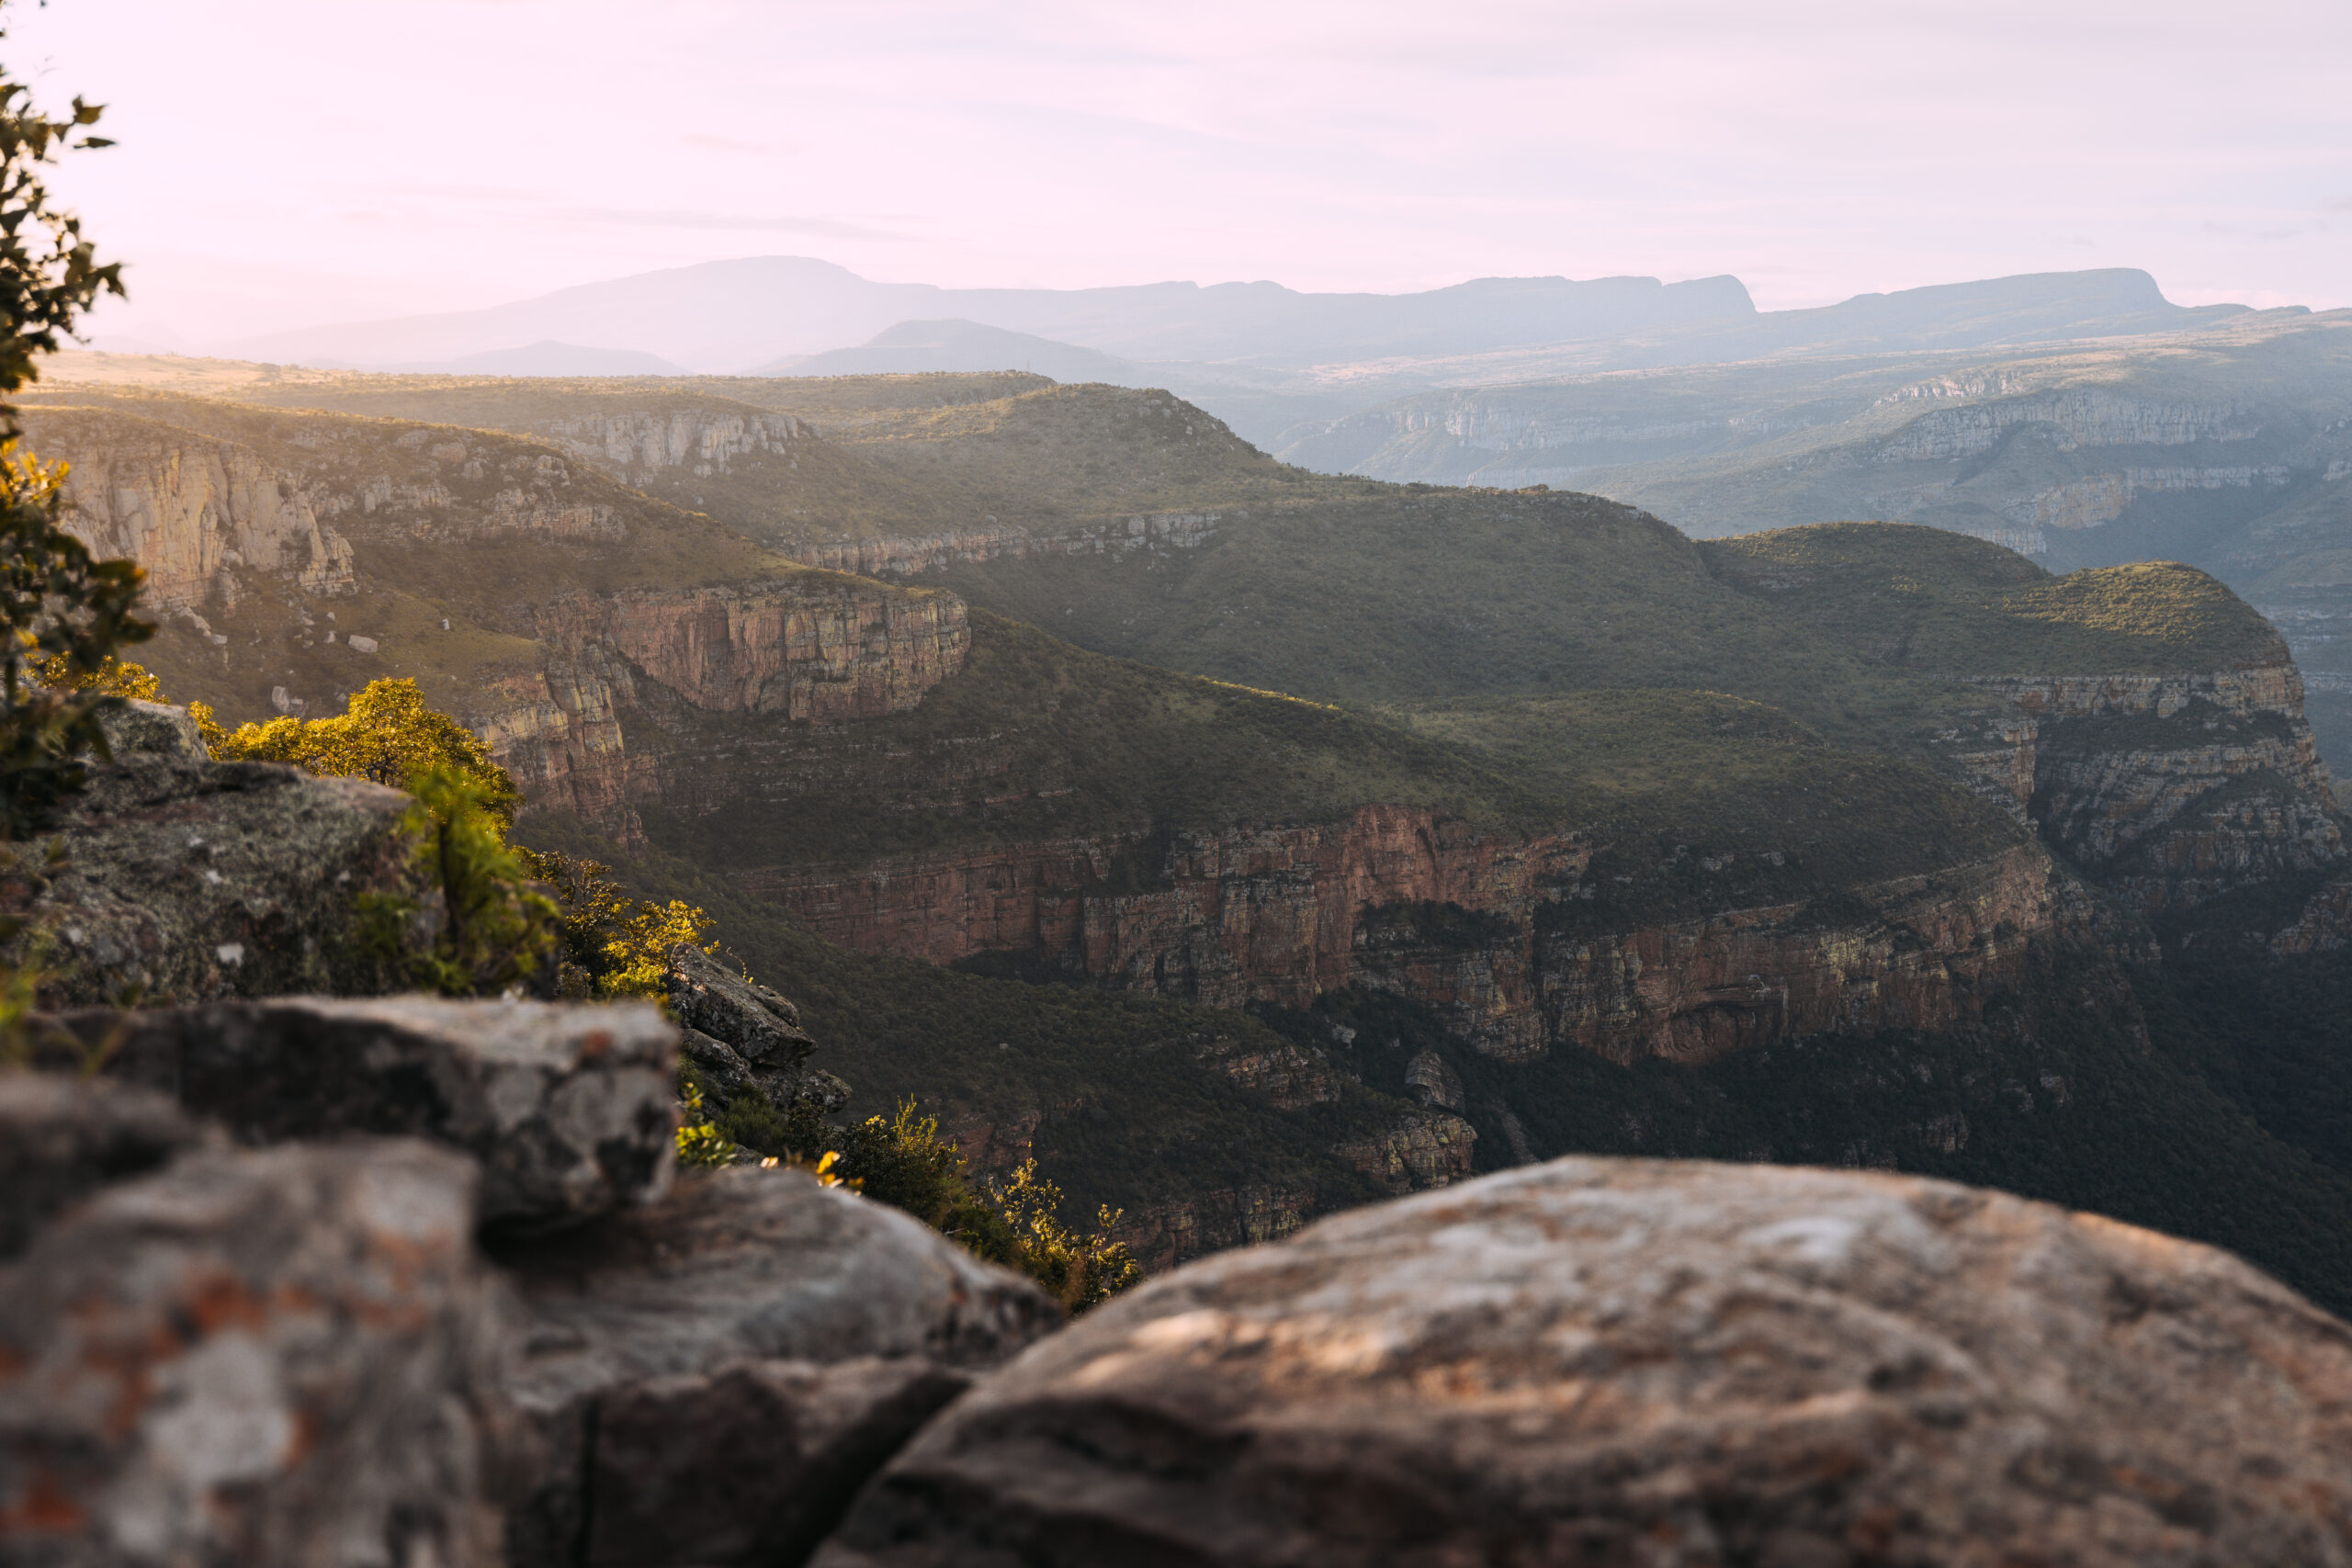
x,y
204,517
1486,929
2168,789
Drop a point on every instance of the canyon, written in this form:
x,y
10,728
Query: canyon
x,y
1394,929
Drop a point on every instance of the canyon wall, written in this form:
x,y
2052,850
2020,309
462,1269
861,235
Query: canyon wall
x,y
1485,928
200,515
821,648
700,442
1113,537
2169,790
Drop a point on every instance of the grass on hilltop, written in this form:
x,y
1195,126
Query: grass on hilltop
x,y
1928,599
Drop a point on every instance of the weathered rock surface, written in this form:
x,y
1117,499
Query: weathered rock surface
x,y
568,1108
750,1465
179,879
202,515
62,1138
1282,915
1651,1363
744,1035
743,1264
821,646
258,1359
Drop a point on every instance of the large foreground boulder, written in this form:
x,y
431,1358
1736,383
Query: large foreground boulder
x,y
1633,1362
175,878
62,1138
253,1358
568,1108
714,1375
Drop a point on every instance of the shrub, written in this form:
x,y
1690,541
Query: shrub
x,y
612,944
904,1162
497,931
385,733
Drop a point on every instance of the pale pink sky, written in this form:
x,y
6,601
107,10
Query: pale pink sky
x,y
286,163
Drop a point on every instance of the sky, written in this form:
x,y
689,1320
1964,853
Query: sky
x,y
292,162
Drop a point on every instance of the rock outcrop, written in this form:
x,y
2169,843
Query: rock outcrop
x,y
2169,790
274,1357
179,879
743,1036
567,1109
1635,1362
1485,928
297,1354
204,517
751,1274
63,1137
821,648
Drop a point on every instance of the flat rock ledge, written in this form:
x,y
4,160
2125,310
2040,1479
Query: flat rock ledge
x,y
1633,1362
569,1109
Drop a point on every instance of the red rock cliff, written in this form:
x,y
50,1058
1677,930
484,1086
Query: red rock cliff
x,y
1282,915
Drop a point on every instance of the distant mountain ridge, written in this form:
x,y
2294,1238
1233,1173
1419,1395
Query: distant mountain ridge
x,y
732,315
764,314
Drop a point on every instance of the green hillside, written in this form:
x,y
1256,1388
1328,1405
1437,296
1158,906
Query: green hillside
x,y
1944,602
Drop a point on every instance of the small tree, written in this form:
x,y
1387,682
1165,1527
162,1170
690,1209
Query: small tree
x,y
385,734
60,610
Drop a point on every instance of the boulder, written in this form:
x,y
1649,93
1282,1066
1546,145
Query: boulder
x,y
744,1037
153,729
273,1357
62,1138
568,1108
735,1266
1637,1362
174,878
750,1465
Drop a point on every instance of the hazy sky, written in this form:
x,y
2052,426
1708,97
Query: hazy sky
x,y
286,163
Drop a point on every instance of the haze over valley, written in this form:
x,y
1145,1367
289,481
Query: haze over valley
x,y
1656,867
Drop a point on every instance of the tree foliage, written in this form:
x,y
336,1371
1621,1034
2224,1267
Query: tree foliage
x,y
612,944
58,608
385,733
902,1161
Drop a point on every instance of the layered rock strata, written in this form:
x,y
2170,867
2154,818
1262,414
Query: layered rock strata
x,y
1278,914
1639,1363
822,648
2168,789
1483,927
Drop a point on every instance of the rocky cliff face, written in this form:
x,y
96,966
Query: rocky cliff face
x,y
906,555
702,443
2168,789
203,516
819,649
1920,952
1488,930
822,648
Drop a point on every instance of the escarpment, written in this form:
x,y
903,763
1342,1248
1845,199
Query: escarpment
x,y
202,517
819,648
